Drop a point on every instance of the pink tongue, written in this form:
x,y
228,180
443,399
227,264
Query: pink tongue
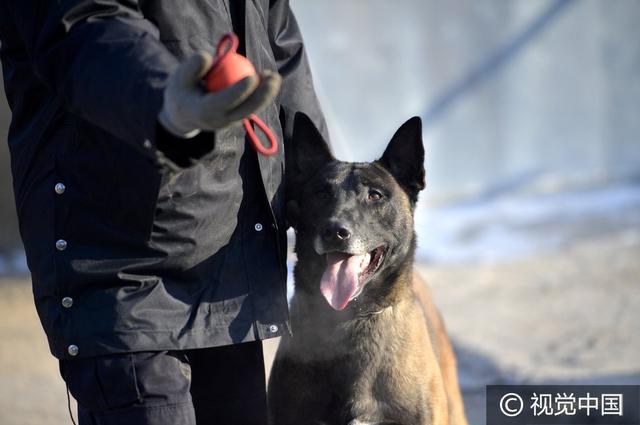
x,y
340,280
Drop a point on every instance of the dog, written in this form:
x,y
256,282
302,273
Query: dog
x,y
368,345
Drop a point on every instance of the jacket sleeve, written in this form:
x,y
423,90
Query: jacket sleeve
x,y
102,59
297,93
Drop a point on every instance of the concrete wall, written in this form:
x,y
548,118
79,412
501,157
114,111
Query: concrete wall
x,y
564,111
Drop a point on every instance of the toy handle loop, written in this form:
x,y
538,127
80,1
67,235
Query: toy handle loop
x,y
257,144
227,45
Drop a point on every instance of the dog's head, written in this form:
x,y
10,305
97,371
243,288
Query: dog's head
x,y
353,221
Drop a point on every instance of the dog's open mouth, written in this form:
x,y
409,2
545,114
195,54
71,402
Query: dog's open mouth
x,y
346,275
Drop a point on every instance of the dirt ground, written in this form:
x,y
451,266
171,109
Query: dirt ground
x,y
566,317
569,316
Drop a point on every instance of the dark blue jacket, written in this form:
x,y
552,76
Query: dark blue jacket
x,y
137,240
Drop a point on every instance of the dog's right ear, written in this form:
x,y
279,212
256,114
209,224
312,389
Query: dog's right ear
x,y
306,154
404,157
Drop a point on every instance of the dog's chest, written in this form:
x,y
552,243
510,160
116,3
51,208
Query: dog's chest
x,y
363,364
372,389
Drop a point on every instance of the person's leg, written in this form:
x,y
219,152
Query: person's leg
x,y
228,385
150,388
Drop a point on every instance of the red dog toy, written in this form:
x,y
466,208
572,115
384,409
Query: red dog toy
x,y
228,68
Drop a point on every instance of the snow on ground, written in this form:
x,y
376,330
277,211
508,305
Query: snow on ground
x,y
513,226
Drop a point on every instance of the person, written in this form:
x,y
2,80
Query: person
x,y
154,233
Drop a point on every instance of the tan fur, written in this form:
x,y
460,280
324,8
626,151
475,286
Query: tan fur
x,y
447,360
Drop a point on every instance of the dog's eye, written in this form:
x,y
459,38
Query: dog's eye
x,y
374,195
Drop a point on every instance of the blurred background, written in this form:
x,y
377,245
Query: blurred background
x,y
529,229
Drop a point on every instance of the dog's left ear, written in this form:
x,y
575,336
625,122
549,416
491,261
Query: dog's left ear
x,y
404,157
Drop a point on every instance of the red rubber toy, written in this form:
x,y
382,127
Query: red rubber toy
x,y
228,68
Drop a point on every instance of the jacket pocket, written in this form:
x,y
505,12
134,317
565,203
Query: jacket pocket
x,y
134,202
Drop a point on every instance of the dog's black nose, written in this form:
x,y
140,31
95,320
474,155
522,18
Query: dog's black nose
x,y
344,233
335,231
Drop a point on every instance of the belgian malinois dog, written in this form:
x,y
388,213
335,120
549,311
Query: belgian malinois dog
x,y
368,345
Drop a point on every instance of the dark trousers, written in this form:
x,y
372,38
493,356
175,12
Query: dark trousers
x,y
221,385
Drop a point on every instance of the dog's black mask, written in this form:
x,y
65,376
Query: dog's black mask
x,y
353,221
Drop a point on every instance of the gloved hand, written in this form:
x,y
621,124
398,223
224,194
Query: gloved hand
x,y
188,108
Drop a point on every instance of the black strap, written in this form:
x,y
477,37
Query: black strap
x,y
69,407
237,10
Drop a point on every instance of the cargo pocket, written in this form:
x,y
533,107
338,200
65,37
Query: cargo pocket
x,y
102,383
164,377
149,379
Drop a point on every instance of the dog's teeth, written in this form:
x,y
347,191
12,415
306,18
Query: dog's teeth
x,y
366,260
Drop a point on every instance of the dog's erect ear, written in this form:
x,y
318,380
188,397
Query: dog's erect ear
x,y
307,152
404,157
